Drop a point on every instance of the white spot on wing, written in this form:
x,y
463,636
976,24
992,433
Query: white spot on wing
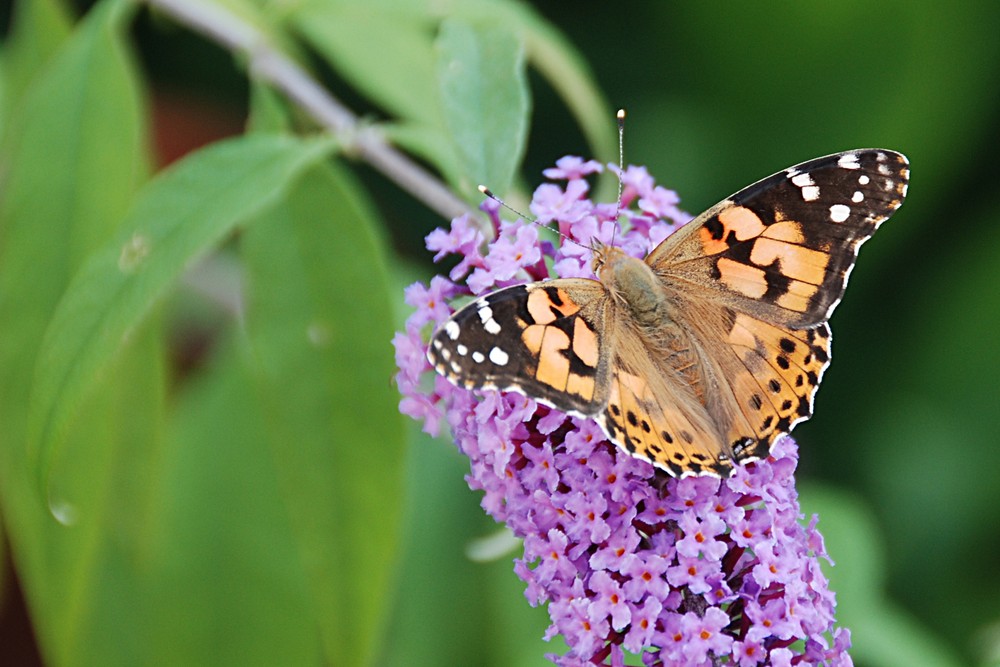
x,y
499,357
863,179
839,212
849,161
451,328
490,324
803,180
857,197
810,191
461,349
478,357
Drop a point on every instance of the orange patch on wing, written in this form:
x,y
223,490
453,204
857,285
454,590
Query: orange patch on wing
x,y
581,386
789,231
544,310
585,343
635,385
741,335
532,337
797,262
743,222
553,366
798,295
747,280
710,245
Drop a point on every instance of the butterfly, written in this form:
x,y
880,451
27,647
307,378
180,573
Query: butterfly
x,y
697,358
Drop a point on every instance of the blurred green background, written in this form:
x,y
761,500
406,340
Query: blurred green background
x,y
198,556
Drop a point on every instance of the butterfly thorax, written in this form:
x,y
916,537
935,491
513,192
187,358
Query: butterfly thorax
x,y
632,284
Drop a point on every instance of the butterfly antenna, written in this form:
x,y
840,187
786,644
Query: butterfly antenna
x,y
621,167
489,193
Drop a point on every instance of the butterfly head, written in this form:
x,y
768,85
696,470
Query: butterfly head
x,y
605,257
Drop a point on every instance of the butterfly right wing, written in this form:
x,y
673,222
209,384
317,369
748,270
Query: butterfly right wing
x,y
545,340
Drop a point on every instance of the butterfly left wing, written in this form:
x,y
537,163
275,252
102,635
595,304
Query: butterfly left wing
x,y
782,249
543,340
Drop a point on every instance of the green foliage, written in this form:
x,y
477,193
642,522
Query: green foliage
x,y
260,500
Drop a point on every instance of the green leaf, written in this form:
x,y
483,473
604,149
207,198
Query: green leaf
x,y
485,99
882,634
320,324
179,217
268,111
220,582
74,154
38,30
386,52
567,71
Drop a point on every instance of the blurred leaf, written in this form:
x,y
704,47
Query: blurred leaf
x,y
567,71
268,110
440,614
176,219
91,606
320,324
78,131
431,144
73,156
353,37
222,583
485,99
882,633
385,51
38,29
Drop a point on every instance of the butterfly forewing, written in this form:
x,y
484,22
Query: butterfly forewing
x,y
782,248
542,340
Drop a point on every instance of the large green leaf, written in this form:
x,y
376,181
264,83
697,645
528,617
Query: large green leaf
x,y
320,324
38,30
485,99
218,580
179,217
73,156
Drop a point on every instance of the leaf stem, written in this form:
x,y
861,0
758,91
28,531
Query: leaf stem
x,y
272,66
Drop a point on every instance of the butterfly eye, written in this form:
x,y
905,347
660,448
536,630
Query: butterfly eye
x,y
597,263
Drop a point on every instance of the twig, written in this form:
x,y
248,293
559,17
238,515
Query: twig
x,y
270,65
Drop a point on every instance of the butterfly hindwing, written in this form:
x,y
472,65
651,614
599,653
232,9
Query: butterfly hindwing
x,y
542,340
782,248
654,415
773,373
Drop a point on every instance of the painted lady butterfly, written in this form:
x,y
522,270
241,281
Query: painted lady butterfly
x,y
702,355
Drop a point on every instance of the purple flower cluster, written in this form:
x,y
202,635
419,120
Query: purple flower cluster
x,y
693,571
